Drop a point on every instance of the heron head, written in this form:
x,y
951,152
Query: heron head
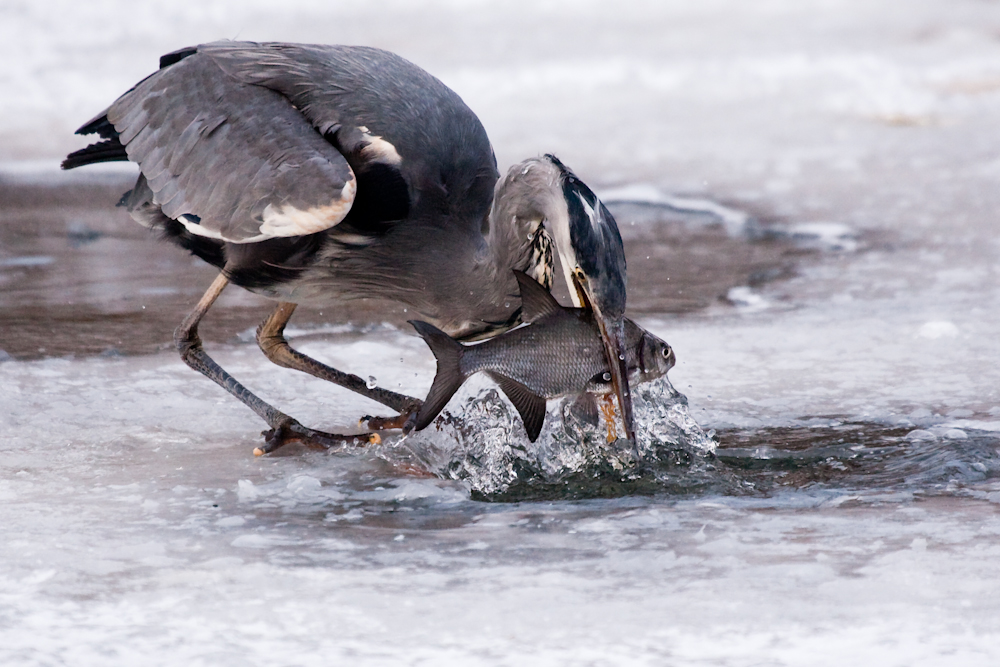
x,y
593,259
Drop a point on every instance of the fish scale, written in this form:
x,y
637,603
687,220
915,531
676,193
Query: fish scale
x,y
552,357
556,353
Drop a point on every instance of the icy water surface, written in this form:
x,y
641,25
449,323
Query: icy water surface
x,y
818,518
807,194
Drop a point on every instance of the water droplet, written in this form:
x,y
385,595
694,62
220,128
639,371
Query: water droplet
x,y
372,382
404,310
606,377
506,305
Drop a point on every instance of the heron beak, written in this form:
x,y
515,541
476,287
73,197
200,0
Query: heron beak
x,y
613,336
593,259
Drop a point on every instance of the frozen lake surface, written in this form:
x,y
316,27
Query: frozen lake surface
x,y
808,197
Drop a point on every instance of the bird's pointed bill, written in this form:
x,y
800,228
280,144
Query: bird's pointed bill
x,y
593,252
613,337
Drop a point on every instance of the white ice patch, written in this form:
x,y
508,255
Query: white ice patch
x,y
736,222
938,329
789,580
28,260
305,487
246,491
746,299
824,236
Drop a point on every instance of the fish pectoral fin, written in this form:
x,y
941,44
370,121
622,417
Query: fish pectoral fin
x,y
536,301
529,405
585,408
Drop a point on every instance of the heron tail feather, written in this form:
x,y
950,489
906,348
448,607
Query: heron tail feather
x,y
449,373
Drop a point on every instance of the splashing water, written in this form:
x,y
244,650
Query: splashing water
x,y
483,443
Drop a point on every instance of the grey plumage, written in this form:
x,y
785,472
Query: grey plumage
x,y
226,129
318,174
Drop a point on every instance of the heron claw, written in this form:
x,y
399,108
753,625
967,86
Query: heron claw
x,y
292,431
405,420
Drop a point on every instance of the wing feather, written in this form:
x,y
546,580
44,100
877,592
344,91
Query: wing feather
x,y
227,151
380,109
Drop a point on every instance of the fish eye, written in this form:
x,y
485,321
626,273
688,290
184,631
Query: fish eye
x,y
666,352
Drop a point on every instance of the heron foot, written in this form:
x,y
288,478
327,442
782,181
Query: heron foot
x,y
291,431
406,420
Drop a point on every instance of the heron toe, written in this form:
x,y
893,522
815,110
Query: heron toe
x,y
405,420
292,431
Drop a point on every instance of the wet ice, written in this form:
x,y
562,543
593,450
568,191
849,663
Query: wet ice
x,y
855,524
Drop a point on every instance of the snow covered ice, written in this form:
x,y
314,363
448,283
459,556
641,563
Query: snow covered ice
x,y
808,195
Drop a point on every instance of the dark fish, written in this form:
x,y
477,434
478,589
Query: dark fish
x,y
558,352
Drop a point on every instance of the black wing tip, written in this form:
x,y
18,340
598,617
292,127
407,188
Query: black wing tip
x,y
110,150
99,125
168,59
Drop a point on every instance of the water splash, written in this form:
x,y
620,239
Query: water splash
x,y
483,443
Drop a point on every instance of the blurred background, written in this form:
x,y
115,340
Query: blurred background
x,y
808,194
842,125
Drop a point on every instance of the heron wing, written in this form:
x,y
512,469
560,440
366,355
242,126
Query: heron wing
x,y
385,114
228,159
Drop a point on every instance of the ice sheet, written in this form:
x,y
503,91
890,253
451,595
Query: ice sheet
x,y
136,528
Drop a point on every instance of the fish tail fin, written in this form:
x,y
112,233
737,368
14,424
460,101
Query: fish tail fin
x,y
449,373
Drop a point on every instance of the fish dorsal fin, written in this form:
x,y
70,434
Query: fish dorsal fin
x,y
536,301
529,405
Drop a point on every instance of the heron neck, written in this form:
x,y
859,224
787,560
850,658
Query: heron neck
x,y
524,199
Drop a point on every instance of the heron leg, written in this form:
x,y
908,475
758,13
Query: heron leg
x,y
271,339
284,429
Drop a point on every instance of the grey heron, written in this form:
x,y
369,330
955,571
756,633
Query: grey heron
x,y
315,174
